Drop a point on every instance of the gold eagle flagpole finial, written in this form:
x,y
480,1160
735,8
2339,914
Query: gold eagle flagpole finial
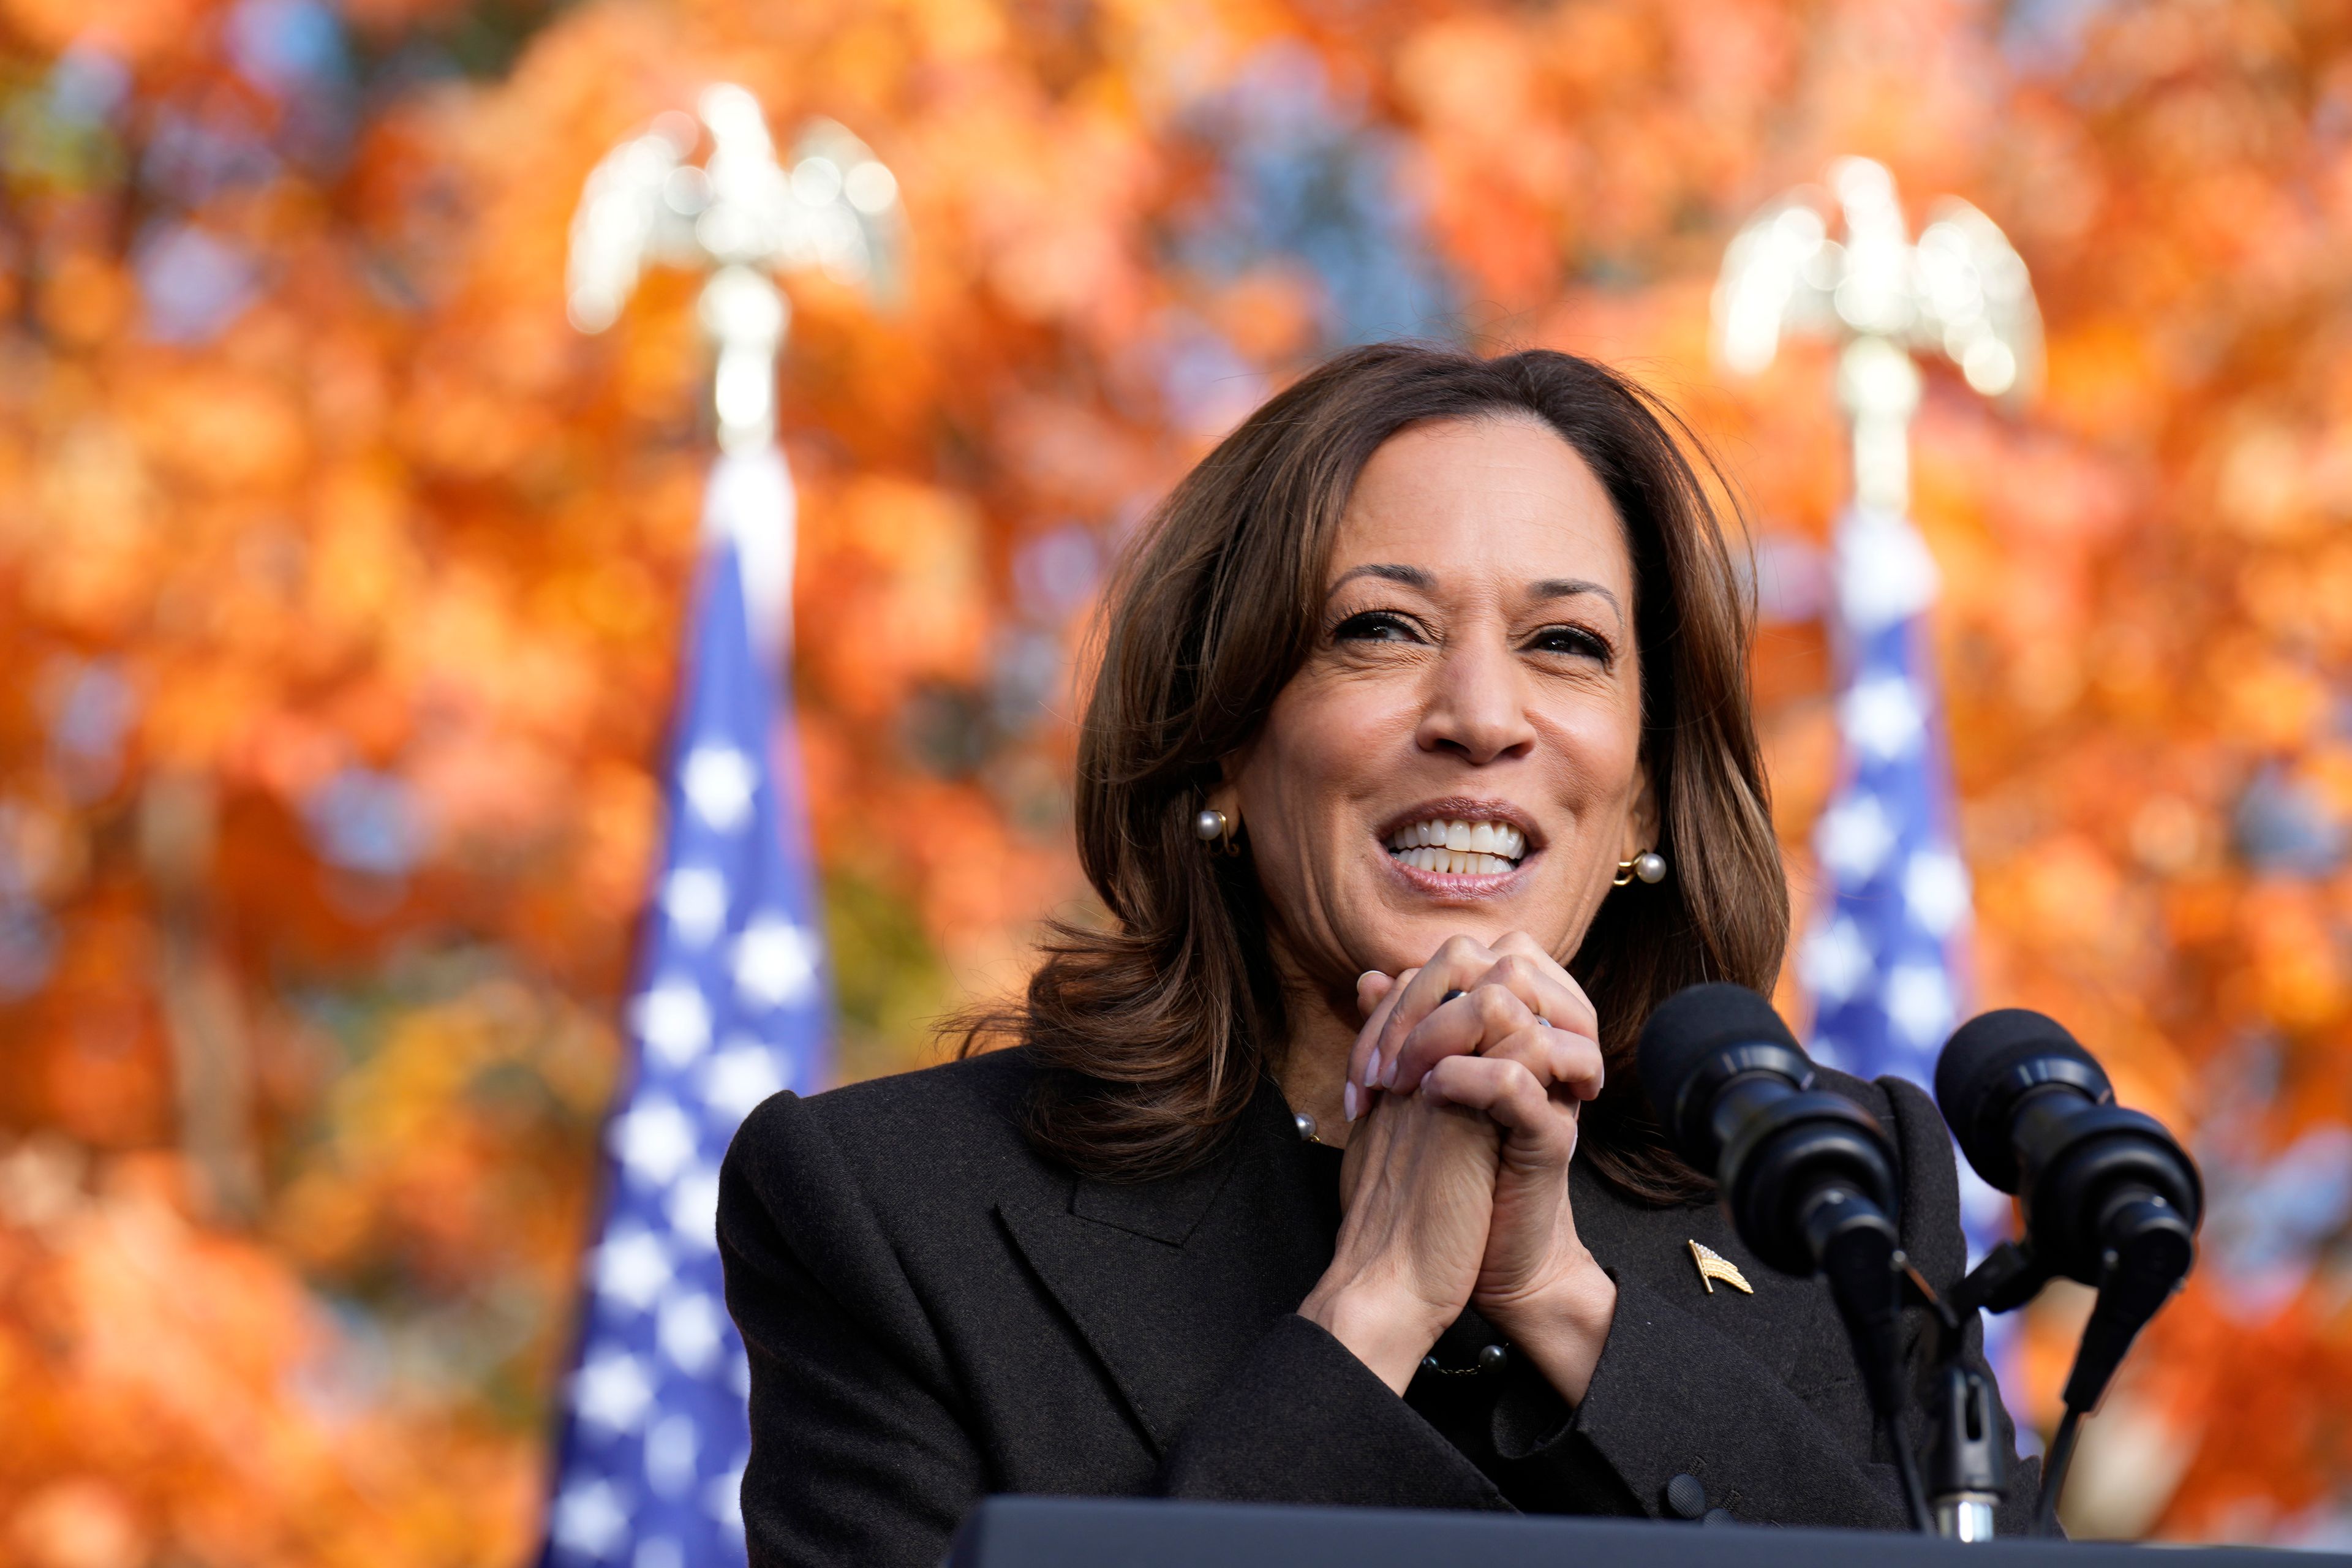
x,y
1713,1266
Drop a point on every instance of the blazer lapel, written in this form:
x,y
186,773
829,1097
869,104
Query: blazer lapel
x,y
1171,1283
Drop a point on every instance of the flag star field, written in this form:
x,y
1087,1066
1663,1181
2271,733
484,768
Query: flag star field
x,y
731,1007
1883,960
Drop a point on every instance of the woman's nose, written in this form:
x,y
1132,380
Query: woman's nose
x,y
1477,706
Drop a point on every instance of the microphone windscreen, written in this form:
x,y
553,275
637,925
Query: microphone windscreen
x,y
1975,1064
1691,1026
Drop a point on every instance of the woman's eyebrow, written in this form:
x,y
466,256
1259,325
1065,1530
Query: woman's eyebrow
x,y
1572,587
1411,576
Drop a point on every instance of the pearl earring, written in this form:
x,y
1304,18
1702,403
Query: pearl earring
x,y
1215,829
1649,866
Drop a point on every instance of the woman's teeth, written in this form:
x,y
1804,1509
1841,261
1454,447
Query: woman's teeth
x,y
1459,848
1454,862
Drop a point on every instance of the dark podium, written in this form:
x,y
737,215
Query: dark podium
x,y
1119,1533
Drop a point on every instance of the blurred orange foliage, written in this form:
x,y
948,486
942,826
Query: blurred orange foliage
x,y
341,581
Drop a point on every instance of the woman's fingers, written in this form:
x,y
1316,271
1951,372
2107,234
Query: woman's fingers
x,y
1564,1001
1568,1065
1479,1015
1517,993
1455,966
1377,995
1538,1138
1372,988
1505,1091
1465,1001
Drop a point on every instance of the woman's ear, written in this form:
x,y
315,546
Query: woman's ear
x,y
1641,821
1225,795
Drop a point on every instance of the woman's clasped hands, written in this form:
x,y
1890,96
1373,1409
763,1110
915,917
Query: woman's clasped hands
x,y
1464,1093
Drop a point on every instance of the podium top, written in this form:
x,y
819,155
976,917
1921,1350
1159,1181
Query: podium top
x,y
1126,1532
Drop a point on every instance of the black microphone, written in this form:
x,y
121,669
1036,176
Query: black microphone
x,y
1736,1095
1807,1176
2110,1198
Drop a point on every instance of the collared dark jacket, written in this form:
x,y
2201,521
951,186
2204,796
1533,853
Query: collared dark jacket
x,y
934,1313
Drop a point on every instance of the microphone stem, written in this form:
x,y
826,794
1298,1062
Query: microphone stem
x,y
1914,1496
2053,1474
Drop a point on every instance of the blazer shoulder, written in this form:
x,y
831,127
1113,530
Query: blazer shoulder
x,y
1873,1096
976,1098
1902,1107
1925,1165
1904,1110
923,1142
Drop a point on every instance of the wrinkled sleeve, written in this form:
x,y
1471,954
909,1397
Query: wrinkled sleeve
x,y
1304,1421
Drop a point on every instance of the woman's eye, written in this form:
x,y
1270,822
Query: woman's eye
x,y
1571,641
1374,626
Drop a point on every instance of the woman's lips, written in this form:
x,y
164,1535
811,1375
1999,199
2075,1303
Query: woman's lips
x,y
1460,884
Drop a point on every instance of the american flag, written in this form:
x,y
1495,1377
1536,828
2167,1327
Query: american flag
x,y
732,1007
1884,960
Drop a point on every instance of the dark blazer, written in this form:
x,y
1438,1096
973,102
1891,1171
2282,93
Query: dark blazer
x,y
934,1313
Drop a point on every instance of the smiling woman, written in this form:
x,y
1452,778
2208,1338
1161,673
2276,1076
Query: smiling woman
x,y
1417,770
1320,637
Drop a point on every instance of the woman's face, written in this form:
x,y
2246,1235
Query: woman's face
x,y
1474,684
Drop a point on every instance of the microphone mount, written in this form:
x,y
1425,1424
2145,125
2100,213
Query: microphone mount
x,y
2110,1200
1968,1475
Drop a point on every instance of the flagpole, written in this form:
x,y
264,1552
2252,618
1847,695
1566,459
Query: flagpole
x,y
1882,961
732,1003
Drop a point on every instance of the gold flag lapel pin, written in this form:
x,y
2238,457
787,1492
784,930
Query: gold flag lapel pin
x,y
1713,1266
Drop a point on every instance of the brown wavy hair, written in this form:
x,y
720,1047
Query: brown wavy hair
x,y
1153,1033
